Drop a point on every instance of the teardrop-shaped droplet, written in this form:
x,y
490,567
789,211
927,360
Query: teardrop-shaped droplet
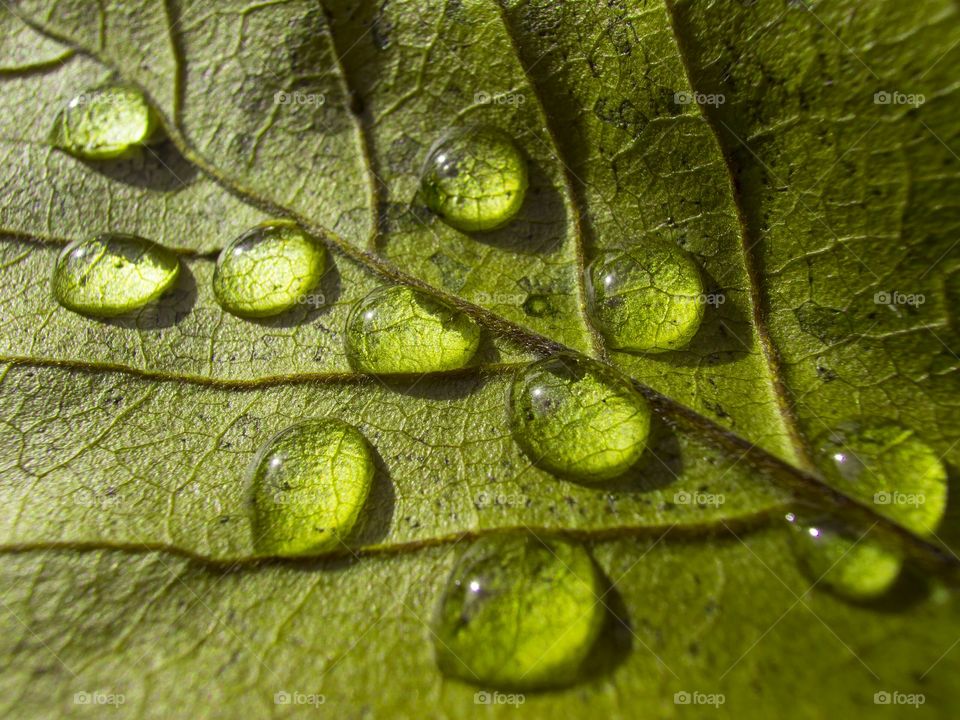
x,y
519,611
475,178
105,122
648,298
886,464
397,329
856,566
112,274
578,418
268,269
308,486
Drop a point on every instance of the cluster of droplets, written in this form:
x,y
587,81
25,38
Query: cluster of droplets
x,y
517,610
884,465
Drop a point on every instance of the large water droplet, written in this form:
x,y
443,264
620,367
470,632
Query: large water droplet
x,y
857,567
519,611
111,274
397,329
475,178
268,269
308,486
647,298
578,418
105,122
886,464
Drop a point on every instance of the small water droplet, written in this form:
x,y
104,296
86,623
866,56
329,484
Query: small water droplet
x,y
308,485
648,298
575,417
111,274
887,465
475,178
855,566
538,305
519,611
268,269
398,329
105,122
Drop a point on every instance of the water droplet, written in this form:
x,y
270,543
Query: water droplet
x,y
308,485
268,269
856,566
475,178
397,329
519,611
105,122
575,417
887,465
648,298
110,274
538,305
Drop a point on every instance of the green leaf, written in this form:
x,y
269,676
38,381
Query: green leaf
x,y
746,133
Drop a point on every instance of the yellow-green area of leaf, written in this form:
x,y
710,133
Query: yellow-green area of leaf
x,y
308,487
112,274
268,269
104,123
519,611
577,418
398,329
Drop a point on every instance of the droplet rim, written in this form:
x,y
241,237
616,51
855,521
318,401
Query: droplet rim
x,y
564,671
359,360
685,333
153,128
107,310
608,376
339,534
241,309
476,225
